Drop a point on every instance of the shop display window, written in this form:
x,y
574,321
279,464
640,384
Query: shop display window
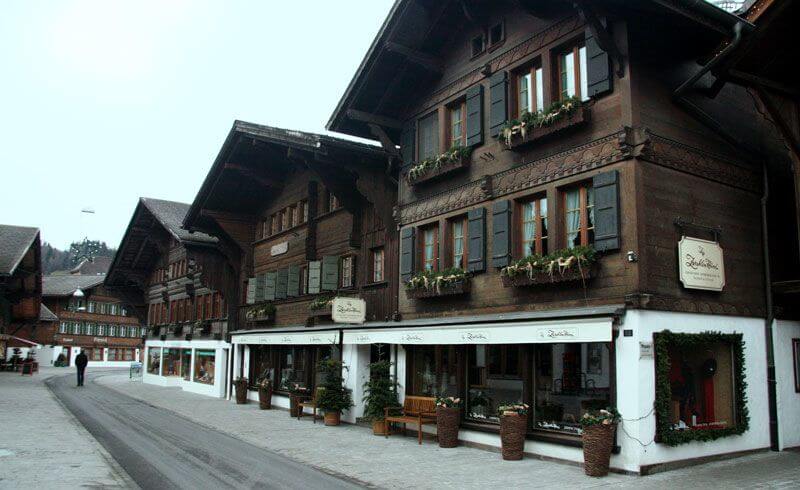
x,y
186,362
172,363
293,367
494,378
261,364
154,360
434,370
204,366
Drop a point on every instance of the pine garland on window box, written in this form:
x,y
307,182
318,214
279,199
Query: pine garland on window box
x,y
260,313
531,126
430,168
576,264
432,284
666,339
177,330
321,306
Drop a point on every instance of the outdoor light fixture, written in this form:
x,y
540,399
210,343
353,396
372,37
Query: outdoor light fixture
x,y
632,257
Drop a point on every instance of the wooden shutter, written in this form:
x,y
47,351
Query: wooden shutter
x,y
293,281
475,116
408,138
251,291
314,277
261,283
501,233
606,211
406,253
330,273
599,77
498,98
281,283
476,251
269,285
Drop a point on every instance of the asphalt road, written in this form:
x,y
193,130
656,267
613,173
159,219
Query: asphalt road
x,y
160,449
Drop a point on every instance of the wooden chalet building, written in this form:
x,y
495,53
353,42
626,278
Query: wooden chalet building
x,y
304,218
574,232
20,284
178,281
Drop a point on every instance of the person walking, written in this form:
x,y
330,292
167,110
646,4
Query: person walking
x,y
80,362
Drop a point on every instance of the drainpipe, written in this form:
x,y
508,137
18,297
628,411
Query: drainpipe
x,y
769,320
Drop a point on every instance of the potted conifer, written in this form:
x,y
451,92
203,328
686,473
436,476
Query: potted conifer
x,y
380,392
332,398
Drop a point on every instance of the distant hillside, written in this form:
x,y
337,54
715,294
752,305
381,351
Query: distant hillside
x,y
54,259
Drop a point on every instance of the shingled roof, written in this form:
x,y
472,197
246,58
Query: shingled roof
x,y
45,315
14,244
66,285
171,214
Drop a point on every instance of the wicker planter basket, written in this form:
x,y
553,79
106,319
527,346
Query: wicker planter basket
x,y
437,172
574,274
333,418
447,421
598,441
578,118
512,436
265,397
241,391
460,287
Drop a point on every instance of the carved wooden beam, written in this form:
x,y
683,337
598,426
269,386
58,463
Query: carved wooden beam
x,y
251,174
426,61
366,117
341,182
386,142
139,252
601,34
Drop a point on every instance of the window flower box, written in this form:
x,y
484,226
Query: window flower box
x,y
431,168
429,284
576,264
260,313
177,330
535,126
321,307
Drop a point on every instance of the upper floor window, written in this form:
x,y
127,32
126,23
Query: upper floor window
x,y
303,211
123,331
477,45
458,231
303,279
533,227
333,202
348,271
579,215
529,90
428,136
458,123
112,330
572,73
101,330
377,265
430,248
497,34
62,328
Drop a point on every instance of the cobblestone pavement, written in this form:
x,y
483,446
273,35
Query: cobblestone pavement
x,y
44,446
400,463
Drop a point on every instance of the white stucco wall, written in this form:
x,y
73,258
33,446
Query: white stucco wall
x,y
221,350
788,399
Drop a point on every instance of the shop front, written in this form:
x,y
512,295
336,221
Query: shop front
x,y
101,351
195,366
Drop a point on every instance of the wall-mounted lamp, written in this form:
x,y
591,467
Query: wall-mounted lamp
x,y
632,257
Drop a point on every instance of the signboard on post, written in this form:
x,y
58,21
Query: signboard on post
x,y
349,310
701,264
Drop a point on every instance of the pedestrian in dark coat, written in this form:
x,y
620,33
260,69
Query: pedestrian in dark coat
x,y
80,362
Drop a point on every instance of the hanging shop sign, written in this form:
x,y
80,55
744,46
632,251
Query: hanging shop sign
x,y
349,310
701,264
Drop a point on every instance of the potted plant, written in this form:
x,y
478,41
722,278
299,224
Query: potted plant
x,y
241,390
332,397
513,425
380,392
297,393
448,418
264,393
598,439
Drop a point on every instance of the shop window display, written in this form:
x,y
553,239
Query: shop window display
x,y
435,370
494,379
186,363
154,360
204,366
293,361
172,363
261,364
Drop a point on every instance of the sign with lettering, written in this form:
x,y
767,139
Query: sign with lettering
x,y
645,349
558,333
701,264
279,249
349,310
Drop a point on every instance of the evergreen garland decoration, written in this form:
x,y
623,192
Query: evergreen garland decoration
x,y
662,343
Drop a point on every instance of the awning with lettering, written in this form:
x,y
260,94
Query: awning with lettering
x,y
329,337
556,331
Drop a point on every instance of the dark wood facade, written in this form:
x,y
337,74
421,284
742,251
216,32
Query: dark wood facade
x,y
20,282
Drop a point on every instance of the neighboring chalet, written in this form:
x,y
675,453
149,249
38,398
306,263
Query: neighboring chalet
x,y
573,234
304,218
20,285
178,282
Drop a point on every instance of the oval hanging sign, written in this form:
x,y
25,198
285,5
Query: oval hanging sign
x,y
349,310
701,264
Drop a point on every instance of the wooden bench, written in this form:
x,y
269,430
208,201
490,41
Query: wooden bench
x,y
312,404
416,410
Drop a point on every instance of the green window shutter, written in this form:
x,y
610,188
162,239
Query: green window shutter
x,y
475,116
261,280
501,233
271,279
599,77
293,281
408,138
606,211
406,254
330,273
476,251
314,277
281,283
251,290
498,98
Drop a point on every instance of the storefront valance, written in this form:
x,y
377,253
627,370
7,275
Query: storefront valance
x,y
288,338
560,331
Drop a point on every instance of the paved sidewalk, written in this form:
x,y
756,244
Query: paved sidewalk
x,y
400,463
44,446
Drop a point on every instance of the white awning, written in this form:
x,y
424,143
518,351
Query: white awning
x,y
579,330
288,338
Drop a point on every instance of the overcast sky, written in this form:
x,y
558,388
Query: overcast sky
x,y
105,101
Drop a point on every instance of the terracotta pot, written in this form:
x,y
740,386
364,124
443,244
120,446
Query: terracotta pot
x,y
598,440
512,436
332,418
447,422
265,398
241,391
378,427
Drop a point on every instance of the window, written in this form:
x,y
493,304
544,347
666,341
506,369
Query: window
x,y
101,330
89,329
458,234
204,366
261,364
428,136
332,202
572,70
172,362
430,248
303,279
796,354
530,91
478,45
186,363
153,359
123,331
494,378
303,213
76,328
497,34
266,229
458,124
112,330
279,221
348,271
533,229
92,307
292,362
94,354
291,216
377,265
62,328
434,370
579,215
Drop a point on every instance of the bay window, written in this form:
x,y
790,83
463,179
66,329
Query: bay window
x,y
533,227
579,215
